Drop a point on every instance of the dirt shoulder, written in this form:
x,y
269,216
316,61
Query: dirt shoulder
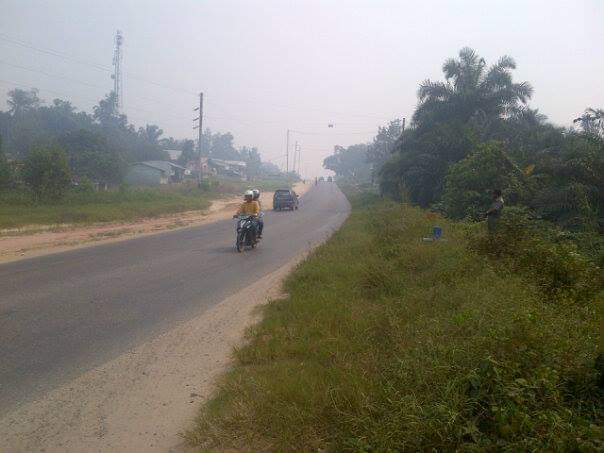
x,y
143,399
42,240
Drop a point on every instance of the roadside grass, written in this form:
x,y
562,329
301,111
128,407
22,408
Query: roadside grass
x,y
388,343
18,209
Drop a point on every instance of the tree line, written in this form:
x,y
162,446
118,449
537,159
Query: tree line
x,y
474,132
45,148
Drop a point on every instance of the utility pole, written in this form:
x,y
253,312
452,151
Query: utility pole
x,y
295,159
403,133
287,154
200,136
117,71
299,162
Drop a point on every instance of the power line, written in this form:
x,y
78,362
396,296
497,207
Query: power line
x,y
96,66
53,53
59,93
70,79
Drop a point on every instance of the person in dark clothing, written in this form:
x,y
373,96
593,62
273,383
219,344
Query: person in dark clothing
x,y
494,212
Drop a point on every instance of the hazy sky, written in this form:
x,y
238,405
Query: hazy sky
x,y
267,65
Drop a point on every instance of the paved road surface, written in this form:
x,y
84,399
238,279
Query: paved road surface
x,y
63,314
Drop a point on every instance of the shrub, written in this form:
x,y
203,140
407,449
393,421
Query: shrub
x,y
469,182
543,254
46,173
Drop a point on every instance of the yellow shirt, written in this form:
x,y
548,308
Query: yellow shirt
x,y
249,208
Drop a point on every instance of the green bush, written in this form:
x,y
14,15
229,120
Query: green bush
x,y
470,182
46,173
542,253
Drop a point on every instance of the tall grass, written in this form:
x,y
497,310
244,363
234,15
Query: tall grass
x,y
389,343
19,208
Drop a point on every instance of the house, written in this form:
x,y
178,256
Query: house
x,y
154,172
192,168
218,167
173,154
232,168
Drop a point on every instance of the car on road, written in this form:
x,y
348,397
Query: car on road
x,y
285,199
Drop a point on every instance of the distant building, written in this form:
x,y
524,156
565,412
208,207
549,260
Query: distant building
x,y
210,167
174,154
153,173
231,168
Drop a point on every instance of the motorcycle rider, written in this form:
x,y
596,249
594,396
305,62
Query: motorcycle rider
x,y
256,193
250,207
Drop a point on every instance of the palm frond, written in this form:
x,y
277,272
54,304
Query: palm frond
x,y
468,56
506,62
433,90
523,91
451,68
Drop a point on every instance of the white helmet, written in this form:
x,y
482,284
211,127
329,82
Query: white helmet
x,y
248,193
256,193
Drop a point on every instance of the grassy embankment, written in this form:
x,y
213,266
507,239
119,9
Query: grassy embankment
x,y
388,343
19,209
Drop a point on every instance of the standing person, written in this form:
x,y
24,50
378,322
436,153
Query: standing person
x,y
494,212
256,193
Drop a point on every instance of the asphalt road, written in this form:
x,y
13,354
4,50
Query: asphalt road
x,y
63,314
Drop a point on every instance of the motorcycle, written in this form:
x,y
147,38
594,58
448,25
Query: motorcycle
x,y
245,237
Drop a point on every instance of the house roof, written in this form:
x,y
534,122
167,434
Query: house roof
x,y
160,165
232,163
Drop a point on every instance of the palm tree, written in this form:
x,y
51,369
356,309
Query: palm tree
x,y
151,133
471,90
592,121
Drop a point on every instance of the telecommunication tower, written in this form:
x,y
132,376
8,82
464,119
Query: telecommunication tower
x,y
117,70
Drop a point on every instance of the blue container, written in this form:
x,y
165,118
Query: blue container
x,y
437,232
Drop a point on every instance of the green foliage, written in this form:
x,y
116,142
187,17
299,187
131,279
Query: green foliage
x,y
46,173
557,173
91,157
470,182
85,185
380,150
20,101
205,184
546,256
4,168
349,162
568,182
101,144
416,347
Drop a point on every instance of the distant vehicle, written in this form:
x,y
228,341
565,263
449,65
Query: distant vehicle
x,y
321,179
285,199
329,179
